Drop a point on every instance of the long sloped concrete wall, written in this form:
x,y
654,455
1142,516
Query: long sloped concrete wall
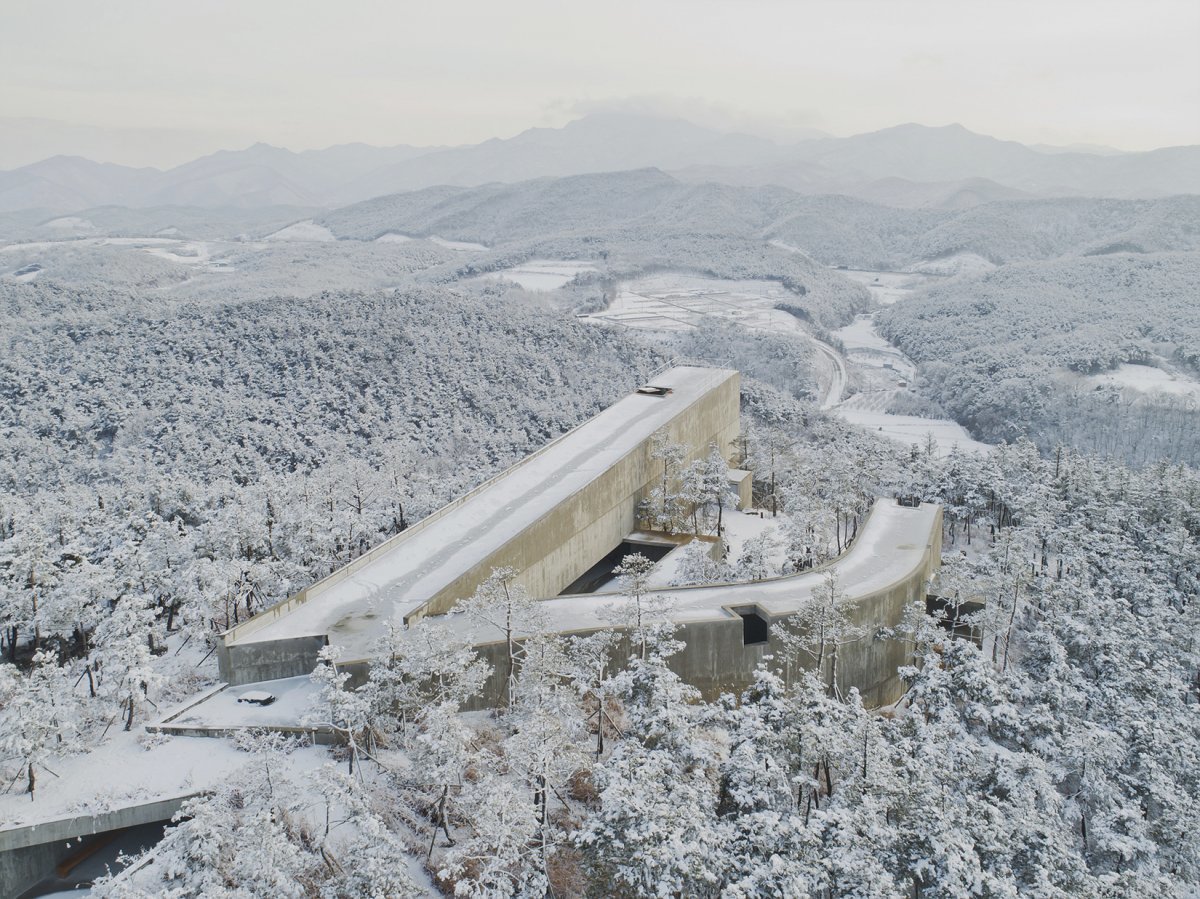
x,y
570,539
548,555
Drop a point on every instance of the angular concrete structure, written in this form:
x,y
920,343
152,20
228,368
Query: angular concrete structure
x,y
558,512
727,626
551,517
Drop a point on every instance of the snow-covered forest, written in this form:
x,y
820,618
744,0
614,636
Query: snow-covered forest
x,y
1057,757
1007,353
192,434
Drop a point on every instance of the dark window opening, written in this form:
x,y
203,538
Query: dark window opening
x,y
755,628
600,578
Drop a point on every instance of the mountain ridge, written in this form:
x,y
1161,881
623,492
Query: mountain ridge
x,y
905,165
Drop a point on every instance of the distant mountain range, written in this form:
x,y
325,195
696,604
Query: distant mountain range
x,y
909,165
576,215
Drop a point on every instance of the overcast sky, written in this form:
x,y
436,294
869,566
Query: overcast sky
x,y
152,81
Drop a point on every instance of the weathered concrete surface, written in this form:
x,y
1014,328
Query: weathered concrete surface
x,y
742,483
897,552
890,565
29,853
550,517
253,662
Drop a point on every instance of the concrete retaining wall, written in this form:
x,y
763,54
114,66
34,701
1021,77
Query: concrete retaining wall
x,y
29,854
249,663
566,542
716,660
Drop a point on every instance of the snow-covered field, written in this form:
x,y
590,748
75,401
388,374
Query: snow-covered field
x,y
912,429
886,287
674,302
196,252
542,274
884,372
1147,379
70,224
952,266
464,245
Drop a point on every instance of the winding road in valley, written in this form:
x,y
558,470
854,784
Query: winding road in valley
x,y
838,377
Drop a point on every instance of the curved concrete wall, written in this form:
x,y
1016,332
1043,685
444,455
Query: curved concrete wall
x,y
716,660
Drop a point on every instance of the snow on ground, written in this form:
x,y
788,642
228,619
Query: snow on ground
x,y
393,237
791,248
293,699
184,253
861,335
1146,379
458,244
133,242
958,264
542,274
119,771
886,287
883,373
111,769
307,230
909,429
741,526
675,302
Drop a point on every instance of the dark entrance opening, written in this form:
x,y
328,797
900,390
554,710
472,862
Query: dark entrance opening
x,y
600,576
952,618
756,629
89,857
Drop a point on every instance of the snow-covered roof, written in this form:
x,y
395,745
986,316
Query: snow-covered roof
x,y
389,583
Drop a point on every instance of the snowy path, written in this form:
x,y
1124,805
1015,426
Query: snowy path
x,y
837,383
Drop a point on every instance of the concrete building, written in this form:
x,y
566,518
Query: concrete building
x,y
554,515
551,517
727,627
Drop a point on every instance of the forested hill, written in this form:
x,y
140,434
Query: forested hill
x,y
1016,351
126,385
830,229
